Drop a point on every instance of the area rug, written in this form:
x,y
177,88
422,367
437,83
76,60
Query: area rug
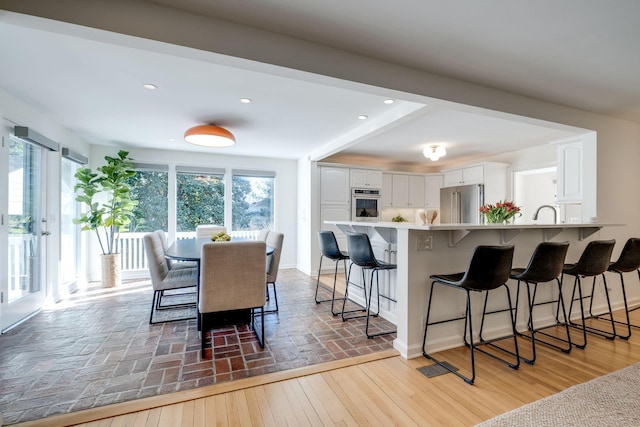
x,y
610,400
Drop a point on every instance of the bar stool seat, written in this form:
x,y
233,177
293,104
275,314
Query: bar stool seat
x,y
593,262
361,254
545,265
628,261
488,269
329,249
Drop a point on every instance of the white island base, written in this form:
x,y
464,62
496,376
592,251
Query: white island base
x,y
423,250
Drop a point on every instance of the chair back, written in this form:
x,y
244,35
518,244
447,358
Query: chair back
x,y
546,262
208,230
629,259
158,268
489,267
595,259
163,239
275,240
232,276
329,245
360,250
262,236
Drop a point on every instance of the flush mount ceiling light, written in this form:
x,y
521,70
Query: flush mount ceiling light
x,y
434,152
209,136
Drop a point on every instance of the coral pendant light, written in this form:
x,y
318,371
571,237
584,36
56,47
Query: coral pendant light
x,y
209,136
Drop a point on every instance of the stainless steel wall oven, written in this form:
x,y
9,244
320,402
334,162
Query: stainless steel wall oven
x,y
365,204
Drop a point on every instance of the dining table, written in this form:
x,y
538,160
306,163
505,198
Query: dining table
x,y
190,249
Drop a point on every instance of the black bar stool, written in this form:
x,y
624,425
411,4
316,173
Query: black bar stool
x,y
361,254
329,249
545,266
593,262
488,269
628,261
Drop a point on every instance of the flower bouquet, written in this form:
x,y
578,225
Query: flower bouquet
x,y
501,212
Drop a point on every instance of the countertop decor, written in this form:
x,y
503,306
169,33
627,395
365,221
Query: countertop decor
x,y
501,212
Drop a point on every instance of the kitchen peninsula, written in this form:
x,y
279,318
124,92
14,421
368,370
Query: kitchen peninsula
x,y
422,250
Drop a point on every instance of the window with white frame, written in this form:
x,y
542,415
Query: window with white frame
x,y
252,200
199,197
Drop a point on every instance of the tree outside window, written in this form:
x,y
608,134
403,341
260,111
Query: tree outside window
x,y
200,199
252,200
150,188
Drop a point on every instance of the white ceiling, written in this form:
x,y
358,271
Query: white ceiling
x,y
580,53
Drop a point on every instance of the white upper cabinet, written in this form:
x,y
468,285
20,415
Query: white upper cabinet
x,y
386,192
576,173
334,186
464,176
492,175
403,191
366,178
433,184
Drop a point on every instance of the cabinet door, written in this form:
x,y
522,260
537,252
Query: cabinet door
x,y
358,178
374,179
433,185
473,175
570,173
416,191
366,178
334,186
400,196
386,190
453,178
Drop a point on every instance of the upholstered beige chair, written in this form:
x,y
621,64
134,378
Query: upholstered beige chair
x,y
274,239
262,236
163,279
208,230
232,278
173,264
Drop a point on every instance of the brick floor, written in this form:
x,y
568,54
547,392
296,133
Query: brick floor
x,y
98,348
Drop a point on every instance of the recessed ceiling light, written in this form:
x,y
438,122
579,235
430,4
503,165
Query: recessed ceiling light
x,y
172,139
363,117
389,101
245,100
149,86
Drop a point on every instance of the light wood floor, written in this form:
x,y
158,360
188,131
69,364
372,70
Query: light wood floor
x,y
381,389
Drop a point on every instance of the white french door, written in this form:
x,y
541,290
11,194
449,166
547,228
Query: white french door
x,y
23,229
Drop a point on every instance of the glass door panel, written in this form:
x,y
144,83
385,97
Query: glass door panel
x,y
22,289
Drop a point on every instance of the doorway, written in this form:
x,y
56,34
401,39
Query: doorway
x,y
532,189
23,228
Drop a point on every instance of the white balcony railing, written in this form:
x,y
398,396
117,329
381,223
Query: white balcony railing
x,y
131,247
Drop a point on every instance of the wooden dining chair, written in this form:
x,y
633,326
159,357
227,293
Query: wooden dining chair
x,y
231,279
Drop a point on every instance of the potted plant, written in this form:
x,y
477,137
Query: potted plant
x,y
110,209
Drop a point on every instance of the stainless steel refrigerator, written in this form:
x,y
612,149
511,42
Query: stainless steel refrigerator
x,y
461,205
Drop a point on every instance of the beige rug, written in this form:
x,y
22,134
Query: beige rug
x,y
610,400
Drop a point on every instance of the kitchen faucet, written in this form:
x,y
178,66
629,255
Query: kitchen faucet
x,y
555,213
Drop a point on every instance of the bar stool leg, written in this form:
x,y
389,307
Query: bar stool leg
x,y
605,334
346,297
492,342
577,284
626,310
374,271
